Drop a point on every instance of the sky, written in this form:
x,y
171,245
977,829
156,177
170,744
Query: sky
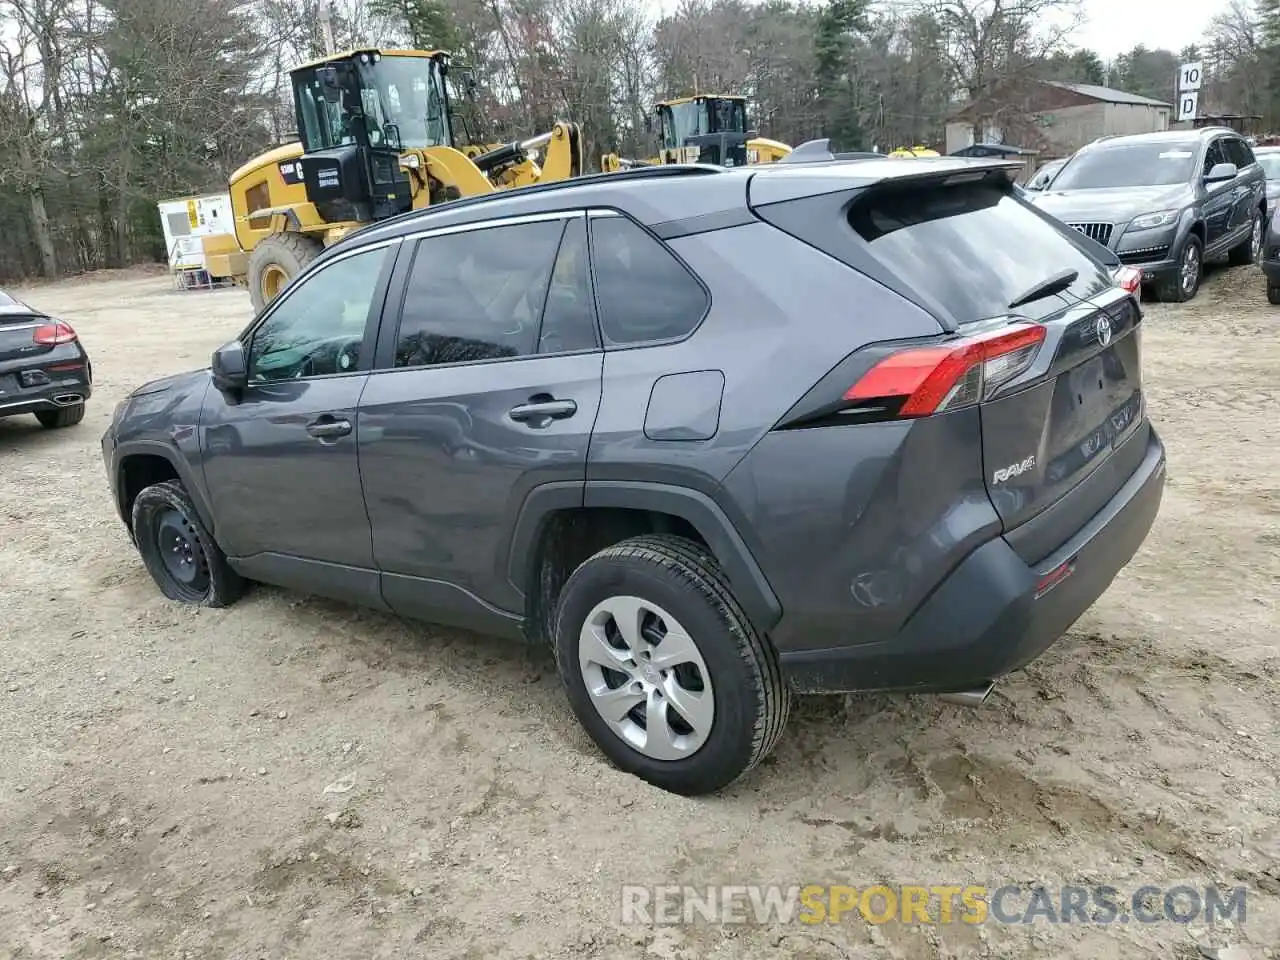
x,y
1113,27
1116,26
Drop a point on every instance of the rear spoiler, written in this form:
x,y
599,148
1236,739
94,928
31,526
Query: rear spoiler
x,y
821,172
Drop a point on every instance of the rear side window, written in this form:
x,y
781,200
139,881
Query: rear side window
x,y
972,249
644,293
569,318
477,295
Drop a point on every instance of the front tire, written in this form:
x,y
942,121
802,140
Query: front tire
x,y
1273,294
1182,286
275,262
62,417
664,669
180,554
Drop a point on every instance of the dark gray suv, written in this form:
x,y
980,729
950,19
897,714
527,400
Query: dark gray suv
x,y
717,436
1166,202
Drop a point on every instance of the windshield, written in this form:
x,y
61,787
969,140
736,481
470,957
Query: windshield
x,y
406,91
973,249
728,116
1270,163
409,92
681,121
1129,165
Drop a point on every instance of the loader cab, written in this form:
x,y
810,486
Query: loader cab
x,y
704,129
357,112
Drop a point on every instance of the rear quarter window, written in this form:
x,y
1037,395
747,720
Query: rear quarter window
x,y
643,293
971,250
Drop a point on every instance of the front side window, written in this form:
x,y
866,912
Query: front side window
x,y
1214,156
323,124
1146,164
477,295
318,327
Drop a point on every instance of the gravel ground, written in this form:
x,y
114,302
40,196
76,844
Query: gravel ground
x,y
296,778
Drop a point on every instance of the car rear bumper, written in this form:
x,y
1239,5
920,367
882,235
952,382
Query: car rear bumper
x,y
62,390
992,615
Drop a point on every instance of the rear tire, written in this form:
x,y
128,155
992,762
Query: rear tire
x,y
1273,294
180,554
1248,250
62,417
275,262
714,696
1182,286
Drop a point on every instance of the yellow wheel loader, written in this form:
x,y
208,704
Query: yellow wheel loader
x,y
376,140
704,129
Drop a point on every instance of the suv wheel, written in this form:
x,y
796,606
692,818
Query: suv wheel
x,y
663,668
180,554
1273,294
1250,250
1182,286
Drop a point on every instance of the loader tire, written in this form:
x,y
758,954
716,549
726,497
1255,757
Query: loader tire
x,y
274,262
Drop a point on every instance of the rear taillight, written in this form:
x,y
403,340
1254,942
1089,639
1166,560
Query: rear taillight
x,y
1128,279
52,333
920,381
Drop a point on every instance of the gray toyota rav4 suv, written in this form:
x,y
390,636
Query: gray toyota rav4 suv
x,y
717,436
1165,202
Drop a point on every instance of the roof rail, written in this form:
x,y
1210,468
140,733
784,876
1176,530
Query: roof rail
x,y
632,173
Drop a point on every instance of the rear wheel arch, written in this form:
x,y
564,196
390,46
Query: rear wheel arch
x,y
143,463
562,524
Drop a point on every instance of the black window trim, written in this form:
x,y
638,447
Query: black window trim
x,y
372,320
597,213
393,309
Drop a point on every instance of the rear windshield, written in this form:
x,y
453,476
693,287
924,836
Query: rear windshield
x,y
973,250
1150,164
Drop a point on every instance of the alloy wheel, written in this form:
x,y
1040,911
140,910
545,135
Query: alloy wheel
x,y
1190,272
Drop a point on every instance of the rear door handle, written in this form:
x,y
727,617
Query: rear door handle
x,y
327,428
536,410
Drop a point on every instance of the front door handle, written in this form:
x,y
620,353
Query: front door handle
x,y
538,409
327,428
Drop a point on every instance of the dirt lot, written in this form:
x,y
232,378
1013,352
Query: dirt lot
x,y
296,778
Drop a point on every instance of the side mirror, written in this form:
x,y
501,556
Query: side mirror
x,y
1221,172
229,368
648,123
391,134
469,82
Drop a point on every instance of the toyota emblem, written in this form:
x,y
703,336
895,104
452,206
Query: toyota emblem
x,y
1103,328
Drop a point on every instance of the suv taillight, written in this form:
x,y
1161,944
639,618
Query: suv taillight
x,y
919,381
1128,279
49,334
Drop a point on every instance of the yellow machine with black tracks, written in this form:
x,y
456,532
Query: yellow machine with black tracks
x,y
704,128
376,140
